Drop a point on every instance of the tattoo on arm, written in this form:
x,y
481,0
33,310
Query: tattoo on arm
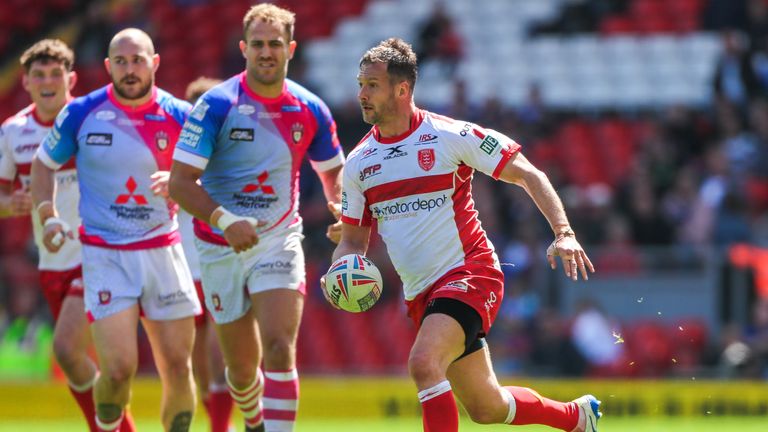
x,y
109,412
181,422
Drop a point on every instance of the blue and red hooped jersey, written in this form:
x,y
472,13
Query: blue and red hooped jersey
x,y
251,148
117,148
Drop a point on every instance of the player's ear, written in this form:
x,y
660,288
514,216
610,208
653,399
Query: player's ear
x,y
25,81
242,47
72,80
291,49
108,66
155,62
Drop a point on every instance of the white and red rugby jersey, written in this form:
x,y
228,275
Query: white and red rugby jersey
x,y
20,137
418,188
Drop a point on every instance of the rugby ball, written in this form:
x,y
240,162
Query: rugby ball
x,y
353,283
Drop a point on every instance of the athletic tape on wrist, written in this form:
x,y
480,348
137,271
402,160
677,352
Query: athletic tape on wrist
x,y
227,218
58,239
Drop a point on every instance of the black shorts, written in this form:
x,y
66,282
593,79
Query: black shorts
x,y
468,319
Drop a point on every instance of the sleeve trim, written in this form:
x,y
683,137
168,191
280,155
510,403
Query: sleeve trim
x,y
190,159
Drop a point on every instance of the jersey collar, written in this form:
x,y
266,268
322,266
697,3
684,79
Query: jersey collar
x,y
40,121
416,119
256,96
113,99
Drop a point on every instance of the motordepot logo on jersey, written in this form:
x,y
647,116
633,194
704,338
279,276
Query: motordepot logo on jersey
x,y
407,208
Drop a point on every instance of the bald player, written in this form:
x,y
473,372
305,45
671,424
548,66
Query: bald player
x,y
134,269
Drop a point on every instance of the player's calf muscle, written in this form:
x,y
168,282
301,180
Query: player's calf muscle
x,y
181,422
107,411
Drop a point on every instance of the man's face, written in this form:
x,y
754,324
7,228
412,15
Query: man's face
x,y
267,51
48,84
132,69
376,93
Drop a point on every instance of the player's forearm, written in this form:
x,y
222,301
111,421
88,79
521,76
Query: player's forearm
x,y
331,181
42,183
191,197
539,188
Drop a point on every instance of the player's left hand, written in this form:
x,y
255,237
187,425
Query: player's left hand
x,y
159,184
574,258
334,230
21,203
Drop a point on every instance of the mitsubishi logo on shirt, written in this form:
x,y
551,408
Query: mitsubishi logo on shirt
x,y
266,189
130,185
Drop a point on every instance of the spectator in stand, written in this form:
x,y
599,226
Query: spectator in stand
x,y
439,40
735,80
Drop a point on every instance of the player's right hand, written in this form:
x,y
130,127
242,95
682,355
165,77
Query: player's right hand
x,y
21,203
241,235
55,233
325,292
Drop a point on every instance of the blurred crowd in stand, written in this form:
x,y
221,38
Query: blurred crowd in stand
x,y
695,177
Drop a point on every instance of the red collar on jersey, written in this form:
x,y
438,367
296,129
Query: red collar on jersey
x,y
128,108
249,91
39,120
416,119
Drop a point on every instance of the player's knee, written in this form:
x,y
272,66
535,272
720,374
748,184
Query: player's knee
x,y
67,355
423,367
241,374
279,352
118,372
178,367
482,414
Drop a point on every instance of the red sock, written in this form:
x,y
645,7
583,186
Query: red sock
x,y
219,407
281,399
84,398
531,408
438,409
127,423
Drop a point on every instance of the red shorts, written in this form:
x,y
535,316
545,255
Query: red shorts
x,y
200,319
57,285
479,286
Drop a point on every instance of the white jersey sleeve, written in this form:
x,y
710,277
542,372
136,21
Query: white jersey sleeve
x,y
485,150
7,165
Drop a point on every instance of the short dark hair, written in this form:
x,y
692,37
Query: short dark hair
x,y
398,55
270,13
196,88
48,50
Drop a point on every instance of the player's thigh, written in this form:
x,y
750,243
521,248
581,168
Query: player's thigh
x,y
171,341
72,325
475,384
278,312
114,339
439,341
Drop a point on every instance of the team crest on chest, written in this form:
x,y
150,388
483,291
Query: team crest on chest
x,y
426,159
161,140
297,131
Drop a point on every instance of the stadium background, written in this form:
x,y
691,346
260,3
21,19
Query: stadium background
x,y
649,116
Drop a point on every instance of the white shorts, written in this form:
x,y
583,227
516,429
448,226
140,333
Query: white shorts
x,y
229,278
157,279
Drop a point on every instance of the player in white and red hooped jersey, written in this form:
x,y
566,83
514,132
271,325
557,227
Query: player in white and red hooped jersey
x,y
245,140
122,137
412,173
48,78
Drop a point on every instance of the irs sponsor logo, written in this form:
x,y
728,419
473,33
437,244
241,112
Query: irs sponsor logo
x,y
238,134
426,159
99,139
426,138
297,131
370,171
407,208
161,140
105,115
199,111
27,131
246,109
368,153
291,108
490,145
395,152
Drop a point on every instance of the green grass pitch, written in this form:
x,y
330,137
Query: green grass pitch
x,y
656,424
